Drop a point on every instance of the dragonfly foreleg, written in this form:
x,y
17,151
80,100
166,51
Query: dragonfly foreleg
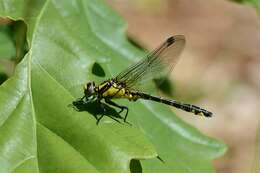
x,y
103,111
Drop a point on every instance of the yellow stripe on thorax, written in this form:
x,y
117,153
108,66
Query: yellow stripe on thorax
x,y
115,92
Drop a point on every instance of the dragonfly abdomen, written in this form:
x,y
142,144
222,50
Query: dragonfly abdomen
x,y
183,106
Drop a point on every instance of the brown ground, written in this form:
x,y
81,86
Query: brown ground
x,y
220,67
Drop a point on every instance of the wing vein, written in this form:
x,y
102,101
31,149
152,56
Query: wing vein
x,y
158,63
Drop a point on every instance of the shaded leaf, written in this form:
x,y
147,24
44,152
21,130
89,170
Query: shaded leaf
x,y
7,48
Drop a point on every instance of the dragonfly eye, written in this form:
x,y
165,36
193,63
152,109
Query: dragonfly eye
x,y
89,89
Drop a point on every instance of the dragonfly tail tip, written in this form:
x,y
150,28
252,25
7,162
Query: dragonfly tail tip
x,y
170,40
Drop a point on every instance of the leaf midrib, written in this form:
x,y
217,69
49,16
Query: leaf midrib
x,y
30,77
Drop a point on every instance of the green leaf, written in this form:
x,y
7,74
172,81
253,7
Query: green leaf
x,y
19,34
253,3
39,132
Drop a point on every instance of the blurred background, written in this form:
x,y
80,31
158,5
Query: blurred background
x,y
219,68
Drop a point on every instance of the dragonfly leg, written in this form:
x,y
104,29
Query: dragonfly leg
x,y
108,101
99,118
103,111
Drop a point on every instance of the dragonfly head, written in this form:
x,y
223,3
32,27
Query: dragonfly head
x,y
89,89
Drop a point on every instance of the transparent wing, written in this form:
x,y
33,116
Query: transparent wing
x,y
156,64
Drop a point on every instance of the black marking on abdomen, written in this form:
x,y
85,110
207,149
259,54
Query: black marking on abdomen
x,y
170,41
184,106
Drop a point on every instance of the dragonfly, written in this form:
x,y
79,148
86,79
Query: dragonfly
x,y
159,62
